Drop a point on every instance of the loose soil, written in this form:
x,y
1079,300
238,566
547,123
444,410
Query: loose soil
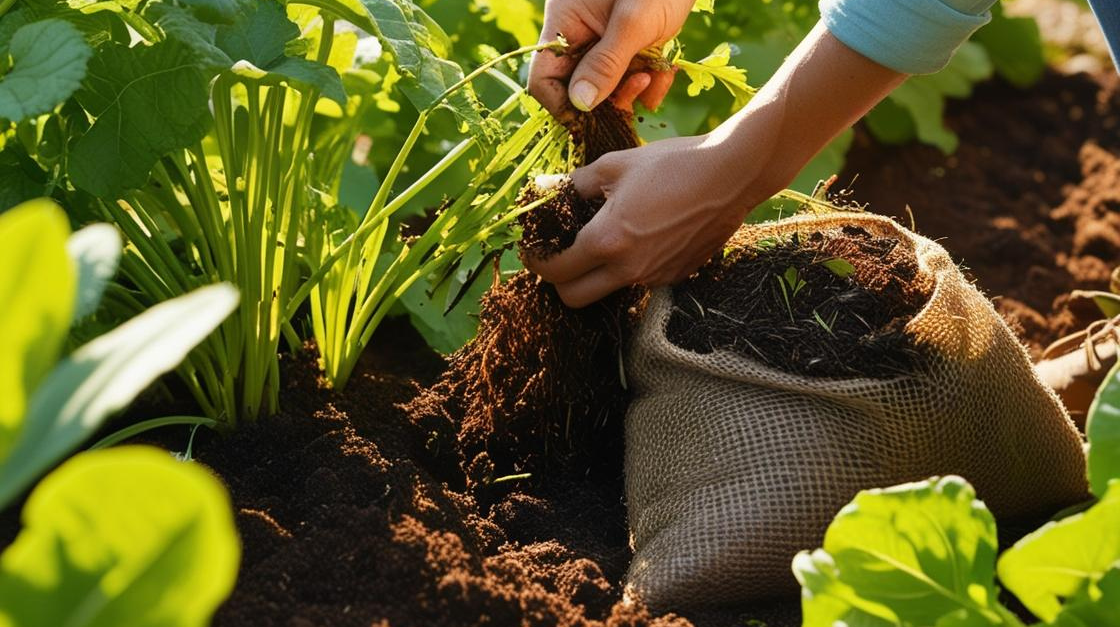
x,y
818,304
354,512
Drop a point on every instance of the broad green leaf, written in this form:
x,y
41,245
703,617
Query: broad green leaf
x,y
258,35
1015,47
923,97
37,288
95,250
907,555
179,23
126,536
419,49
520,18
147,101
255,42
50,60
1103,430
103,376
308,73
1066,558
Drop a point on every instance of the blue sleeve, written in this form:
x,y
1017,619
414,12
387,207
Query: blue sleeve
x,y
908,36
1108,14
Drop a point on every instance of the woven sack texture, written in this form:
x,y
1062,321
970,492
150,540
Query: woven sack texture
x,y
733,466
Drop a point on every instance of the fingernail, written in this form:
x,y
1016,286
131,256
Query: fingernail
x,y
583,95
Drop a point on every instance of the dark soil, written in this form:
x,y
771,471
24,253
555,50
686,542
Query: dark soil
x,y
353,512
798,306
1029,202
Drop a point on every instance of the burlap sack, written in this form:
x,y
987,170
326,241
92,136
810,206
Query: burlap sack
x,y
732,466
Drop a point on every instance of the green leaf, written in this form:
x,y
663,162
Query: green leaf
x,y
1015,47
305,73
49,62
520,18
908,555
923,97
95,250
704,73
840,267
179,23
148,101
126,536
1103,430
258,35
37,286
1065,559
419,49
1094,607
255,42
103,376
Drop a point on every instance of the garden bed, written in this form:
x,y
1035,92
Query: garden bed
x,y
349,514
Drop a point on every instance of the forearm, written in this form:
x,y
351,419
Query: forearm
x,y
822,88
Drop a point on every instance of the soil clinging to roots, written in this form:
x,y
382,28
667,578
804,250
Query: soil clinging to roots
x,y
818,304
540,385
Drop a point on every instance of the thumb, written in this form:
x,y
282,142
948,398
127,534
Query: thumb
x,y
602,67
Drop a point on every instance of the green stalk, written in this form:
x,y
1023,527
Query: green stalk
x,y
134,430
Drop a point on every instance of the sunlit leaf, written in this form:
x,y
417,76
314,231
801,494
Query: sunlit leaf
x,y
37,285
147,101
103,376
1065,559
908,555
125,536
49,62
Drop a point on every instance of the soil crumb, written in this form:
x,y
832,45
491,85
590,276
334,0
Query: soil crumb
x,y
822,304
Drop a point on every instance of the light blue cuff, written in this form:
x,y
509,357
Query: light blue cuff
x,y
908,36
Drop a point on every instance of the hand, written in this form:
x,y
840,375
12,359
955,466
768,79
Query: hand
x,y
669,207
609,33
672,204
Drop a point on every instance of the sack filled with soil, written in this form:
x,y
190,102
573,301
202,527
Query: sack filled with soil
x,y
820,356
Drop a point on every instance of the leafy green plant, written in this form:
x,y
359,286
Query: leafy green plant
x,y
125,536
925,553
121,536
52,405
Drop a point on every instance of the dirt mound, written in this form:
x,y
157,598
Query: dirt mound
x,y
345,522
817,304
1028,202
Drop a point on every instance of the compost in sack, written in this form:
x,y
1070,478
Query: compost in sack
x,y
748,432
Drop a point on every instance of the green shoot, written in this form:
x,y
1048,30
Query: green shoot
x,y
840,267
790,284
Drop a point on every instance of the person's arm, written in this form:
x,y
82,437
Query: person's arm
x,y
672,203
1108,14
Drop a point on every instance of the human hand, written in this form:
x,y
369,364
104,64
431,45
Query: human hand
x,y
609,33
669,206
